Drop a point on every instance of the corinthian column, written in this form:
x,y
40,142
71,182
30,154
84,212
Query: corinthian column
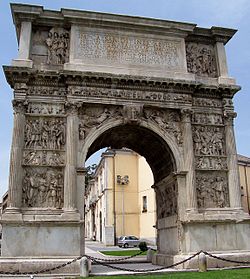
x,y
16,157
188,151
232,161
71,158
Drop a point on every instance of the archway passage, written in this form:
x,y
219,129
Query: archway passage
x,y
156,151
143,141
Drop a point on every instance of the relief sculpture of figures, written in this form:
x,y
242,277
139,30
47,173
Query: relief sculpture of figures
x,y
44,158
208,141
208,162
58,46
42,189
93,117
167,121
212,192
201,59
166,200
43,133
40,108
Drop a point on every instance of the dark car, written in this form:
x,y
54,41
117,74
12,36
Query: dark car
x,y
128,241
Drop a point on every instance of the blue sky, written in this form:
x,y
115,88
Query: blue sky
x,y
226,13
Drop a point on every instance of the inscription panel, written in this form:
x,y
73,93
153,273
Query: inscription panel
x,y
91,46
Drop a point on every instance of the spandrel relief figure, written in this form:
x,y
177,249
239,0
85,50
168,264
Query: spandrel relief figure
x,y
46,134
93,117
58,46
167,121
42,188
212,192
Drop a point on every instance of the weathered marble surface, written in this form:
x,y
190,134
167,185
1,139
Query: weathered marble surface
x,y
86,80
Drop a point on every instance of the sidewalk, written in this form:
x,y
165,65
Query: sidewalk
x,y
136,263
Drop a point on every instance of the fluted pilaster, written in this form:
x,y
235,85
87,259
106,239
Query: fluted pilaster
x,y
188,151
233,172
16,155
71,159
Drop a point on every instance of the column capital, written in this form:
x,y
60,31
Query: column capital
x,y
186,114
72,107
19,106
229,117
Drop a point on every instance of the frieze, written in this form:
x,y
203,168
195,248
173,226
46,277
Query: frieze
x,y
92,46
45,133
212,191
42,188
46,91
130,94
43,158
201,59
210,163
207,118
43,108
208,140
205,102
57,44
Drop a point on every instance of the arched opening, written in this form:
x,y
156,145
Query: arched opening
x,y
159,157
143,141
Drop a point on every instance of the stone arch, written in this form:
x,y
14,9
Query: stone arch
x,y
164,139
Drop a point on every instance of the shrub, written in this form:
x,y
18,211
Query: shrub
x,y
143,246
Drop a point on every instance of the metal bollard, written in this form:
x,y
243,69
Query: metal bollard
x,y
84,267
202,259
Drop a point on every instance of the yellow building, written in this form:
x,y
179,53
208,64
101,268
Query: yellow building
x,y
244,169
120,200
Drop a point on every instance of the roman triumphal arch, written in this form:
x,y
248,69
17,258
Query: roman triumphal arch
x,y
84,80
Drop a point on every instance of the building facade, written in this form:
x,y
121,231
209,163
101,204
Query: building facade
x,y
120,200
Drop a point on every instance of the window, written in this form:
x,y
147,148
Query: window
x,y
144,204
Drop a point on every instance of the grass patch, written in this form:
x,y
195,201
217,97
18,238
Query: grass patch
x,y
122,253
243,273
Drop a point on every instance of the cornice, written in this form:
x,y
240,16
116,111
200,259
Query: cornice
x,y
105,80
67,17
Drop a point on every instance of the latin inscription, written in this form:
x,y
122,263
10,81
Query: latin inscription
x,y
126,49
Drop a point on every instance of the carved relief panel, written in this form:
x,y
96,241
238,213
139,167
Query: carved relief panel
x,y
50,46
45,108
208,140
45,133
212,190
201,59
42,187
166,196
43,158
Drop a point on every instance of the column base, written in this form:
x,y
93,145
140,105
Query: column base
x,y
23,264
166,260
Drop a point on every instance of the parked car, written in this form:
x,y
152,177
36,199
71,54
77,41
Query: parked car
x,y
128,241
